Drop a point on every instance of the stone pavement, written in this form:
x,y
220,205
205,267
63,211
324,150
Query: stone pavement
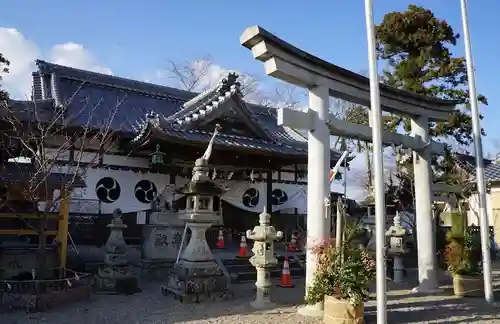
x,y
150,306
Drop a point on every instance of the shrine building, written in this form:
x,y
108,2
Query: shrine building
x,y
259,163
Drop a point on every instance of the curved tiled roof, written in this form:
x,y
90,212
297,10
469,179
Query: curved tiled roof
x,y
154,123
468,164
135,107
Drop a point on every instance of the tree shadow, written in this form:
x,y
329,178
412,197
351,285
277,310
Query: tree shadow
x,y
437,308
150,306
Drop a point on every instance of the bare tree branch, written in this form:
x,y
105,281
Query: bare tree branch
x,y
190,74
200,74
39,149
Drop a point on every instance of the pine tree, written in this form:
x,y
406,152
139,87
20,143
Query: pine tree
x,y
417,48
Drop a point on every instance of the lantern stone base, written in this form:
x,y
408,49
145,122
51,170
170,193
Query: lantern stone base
x,y
116,280
197,281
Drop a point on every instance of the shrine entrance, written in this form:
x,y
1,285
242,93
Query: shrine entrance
x,y
323,79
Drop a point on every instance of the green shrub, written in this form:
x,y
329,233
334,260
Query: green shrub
x,y
345,272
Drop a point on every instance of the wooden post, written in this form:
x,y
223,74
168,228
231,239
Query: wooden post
x,y
62,228
269,191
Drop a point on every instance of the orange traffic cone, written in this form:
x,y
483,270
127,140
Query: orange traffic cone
x,y
243,251
292,247
220,240
286,279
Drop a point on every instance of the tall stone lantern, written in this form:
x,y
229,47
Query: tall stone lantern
x,y
197,275
115,276
263,258
397,235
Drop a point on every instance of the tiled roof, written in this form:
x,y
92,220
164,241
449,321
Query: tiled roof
x,y
236,141
96,99
468,163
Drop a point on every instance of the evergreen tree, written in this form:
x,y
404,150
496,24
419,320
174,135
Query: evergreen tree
x,y
417,48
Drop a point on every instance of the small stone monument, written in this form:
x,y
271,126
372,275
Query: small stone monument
x,y
197,275
115,276
397,247
263,258
162,235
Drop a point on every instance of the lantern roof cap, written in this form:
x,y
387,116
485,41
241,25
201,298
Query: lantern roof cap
x,y
200,183
201,188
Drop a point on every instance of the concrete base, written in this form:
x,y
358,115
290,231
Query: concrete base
x,y
311,310
197,281
116,281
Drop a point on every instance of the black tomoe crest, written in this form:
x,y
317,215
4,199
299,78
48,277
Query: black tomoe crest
x,y
250,197
108,190
145,191
278,197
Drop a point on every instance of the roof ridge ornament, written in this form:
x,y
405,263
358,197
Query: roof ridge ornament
x,y
221,87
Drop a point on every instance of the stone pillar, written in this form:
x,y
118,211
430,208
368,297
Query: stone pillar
x,y
427,275
318,191
399,269
197,249
162,238
263,285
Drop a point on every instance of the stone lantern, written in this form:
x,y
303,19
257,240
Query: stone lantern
x,y
197,275
263,258
115,276
397,235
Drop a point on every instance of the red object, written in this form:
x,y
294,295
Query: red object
x,y
286,279
243,251
292,246
331,176
220,240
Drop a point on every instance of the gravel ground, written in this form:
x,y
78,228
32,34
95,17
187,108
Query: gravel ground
x,y
150,306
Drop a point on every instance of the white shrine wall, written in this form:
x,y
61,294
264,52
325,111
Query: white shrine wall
x,y
131,191
110,187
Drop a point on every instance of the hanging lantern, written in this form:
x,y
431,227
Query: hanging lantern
x,y
157,157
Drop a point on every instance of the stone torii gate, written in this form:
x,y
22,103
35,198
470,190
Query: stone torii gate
x,y
288,63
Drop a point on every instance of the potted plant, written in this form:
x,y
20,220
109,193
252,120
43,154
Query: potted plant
x,y
341,282
461,256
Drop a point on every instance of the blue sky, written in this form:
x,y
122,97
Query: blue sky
x,y
136,38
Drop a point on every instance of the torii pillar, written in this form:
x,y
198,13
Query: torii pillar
x,y
318,184
318,166
426,237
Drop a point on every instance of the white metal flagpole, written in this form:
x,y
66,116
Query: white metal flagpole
x,y
376,114
478,149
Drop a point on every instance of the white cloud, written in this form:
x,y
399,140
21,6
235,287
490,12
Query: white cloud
x,y
22,53
75,55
